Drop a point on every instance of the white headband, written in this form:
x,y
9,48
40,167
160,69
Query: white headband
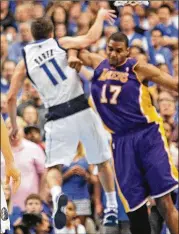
x,y
130,2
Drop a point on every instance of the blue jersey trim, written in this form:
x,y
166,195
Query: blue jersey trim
x,y
38,41
60,45
24,56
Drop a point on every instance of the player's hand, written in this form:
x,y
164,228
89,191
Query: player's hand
x,y
75,63
108,15
13,133
12,172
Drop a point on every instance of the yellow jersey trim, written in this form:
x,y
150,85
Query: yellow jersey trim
x,y
173,169
121,196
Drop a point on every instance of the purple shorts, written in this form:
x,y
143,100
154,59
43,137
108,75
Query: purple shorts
x,y
143,166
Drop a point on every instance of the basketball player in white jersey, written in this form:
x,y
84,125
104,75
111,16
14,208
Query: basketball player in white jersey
x,y
10,171
69,118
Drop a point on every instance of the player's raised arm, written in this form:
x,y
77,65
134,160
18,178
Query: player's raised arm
x,y
152,73
93,34
10,169
16,84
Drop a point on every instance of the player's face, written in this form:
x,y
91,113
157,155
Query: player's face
x,y
117,52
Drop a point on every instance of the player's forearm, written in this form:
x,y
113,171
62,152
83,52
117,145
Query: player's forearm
x,y
5,144
72,53
96,30
169,83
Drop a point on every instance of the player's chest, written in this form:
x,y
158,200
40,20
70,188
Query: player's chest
x,y
115,87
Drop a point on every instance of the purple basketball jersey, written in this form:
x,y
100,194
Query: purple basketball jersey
x,y
122,101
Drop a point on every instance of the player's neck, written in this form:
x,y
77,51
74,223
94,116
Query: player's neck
x,y
123,62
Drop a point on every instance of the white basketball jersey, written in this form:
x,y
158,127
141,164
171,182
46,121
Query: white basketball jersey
x,y
48,69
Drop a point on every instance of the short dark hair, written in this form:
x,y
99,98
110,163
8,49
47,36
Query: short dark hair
x,y
121,37
166,6
33,196
41,28
157,29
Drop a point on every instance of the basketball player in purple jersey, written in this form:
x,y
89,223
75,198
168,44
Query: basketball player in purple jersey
x,y
141,155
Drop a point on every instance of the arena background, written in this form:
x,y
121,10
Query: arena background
x,y
153,34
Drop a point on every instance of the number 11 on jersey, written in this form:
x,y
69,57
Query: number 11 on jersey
x,y
50,75
115,90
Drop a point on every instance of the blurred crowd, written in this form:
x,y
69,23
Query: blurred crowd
x,y
153,36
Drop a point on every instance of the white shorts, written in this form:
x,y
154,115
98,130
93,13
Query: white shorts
x,y
83,207
63,136
5,223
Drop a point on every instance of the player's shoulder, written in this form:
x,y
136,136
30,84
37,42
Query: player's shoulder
x,y
40,42
103,63
131,61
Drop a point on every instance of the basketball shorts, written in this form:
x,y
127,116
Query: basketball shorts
x,y
63,136
143,166
5,223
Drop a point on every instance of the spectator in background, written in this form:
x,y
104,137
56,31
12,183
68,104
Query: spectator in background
x,y
71,226
32,133
167,107
74,14
172,145
33,205
127,26
3,49
37,10
8,68
45,226
162,54
166,25
20,229
23,13
30,115
15,213
30,160
83,23
75,183
127,10
134,51
60,30
11,34
31,97
4,109
140,12
153,19
59,15
15,50
7,18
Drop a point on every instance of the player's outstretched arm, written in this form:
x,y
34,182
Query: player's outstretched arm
x,y
16,84
152,73
93,34
10,169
